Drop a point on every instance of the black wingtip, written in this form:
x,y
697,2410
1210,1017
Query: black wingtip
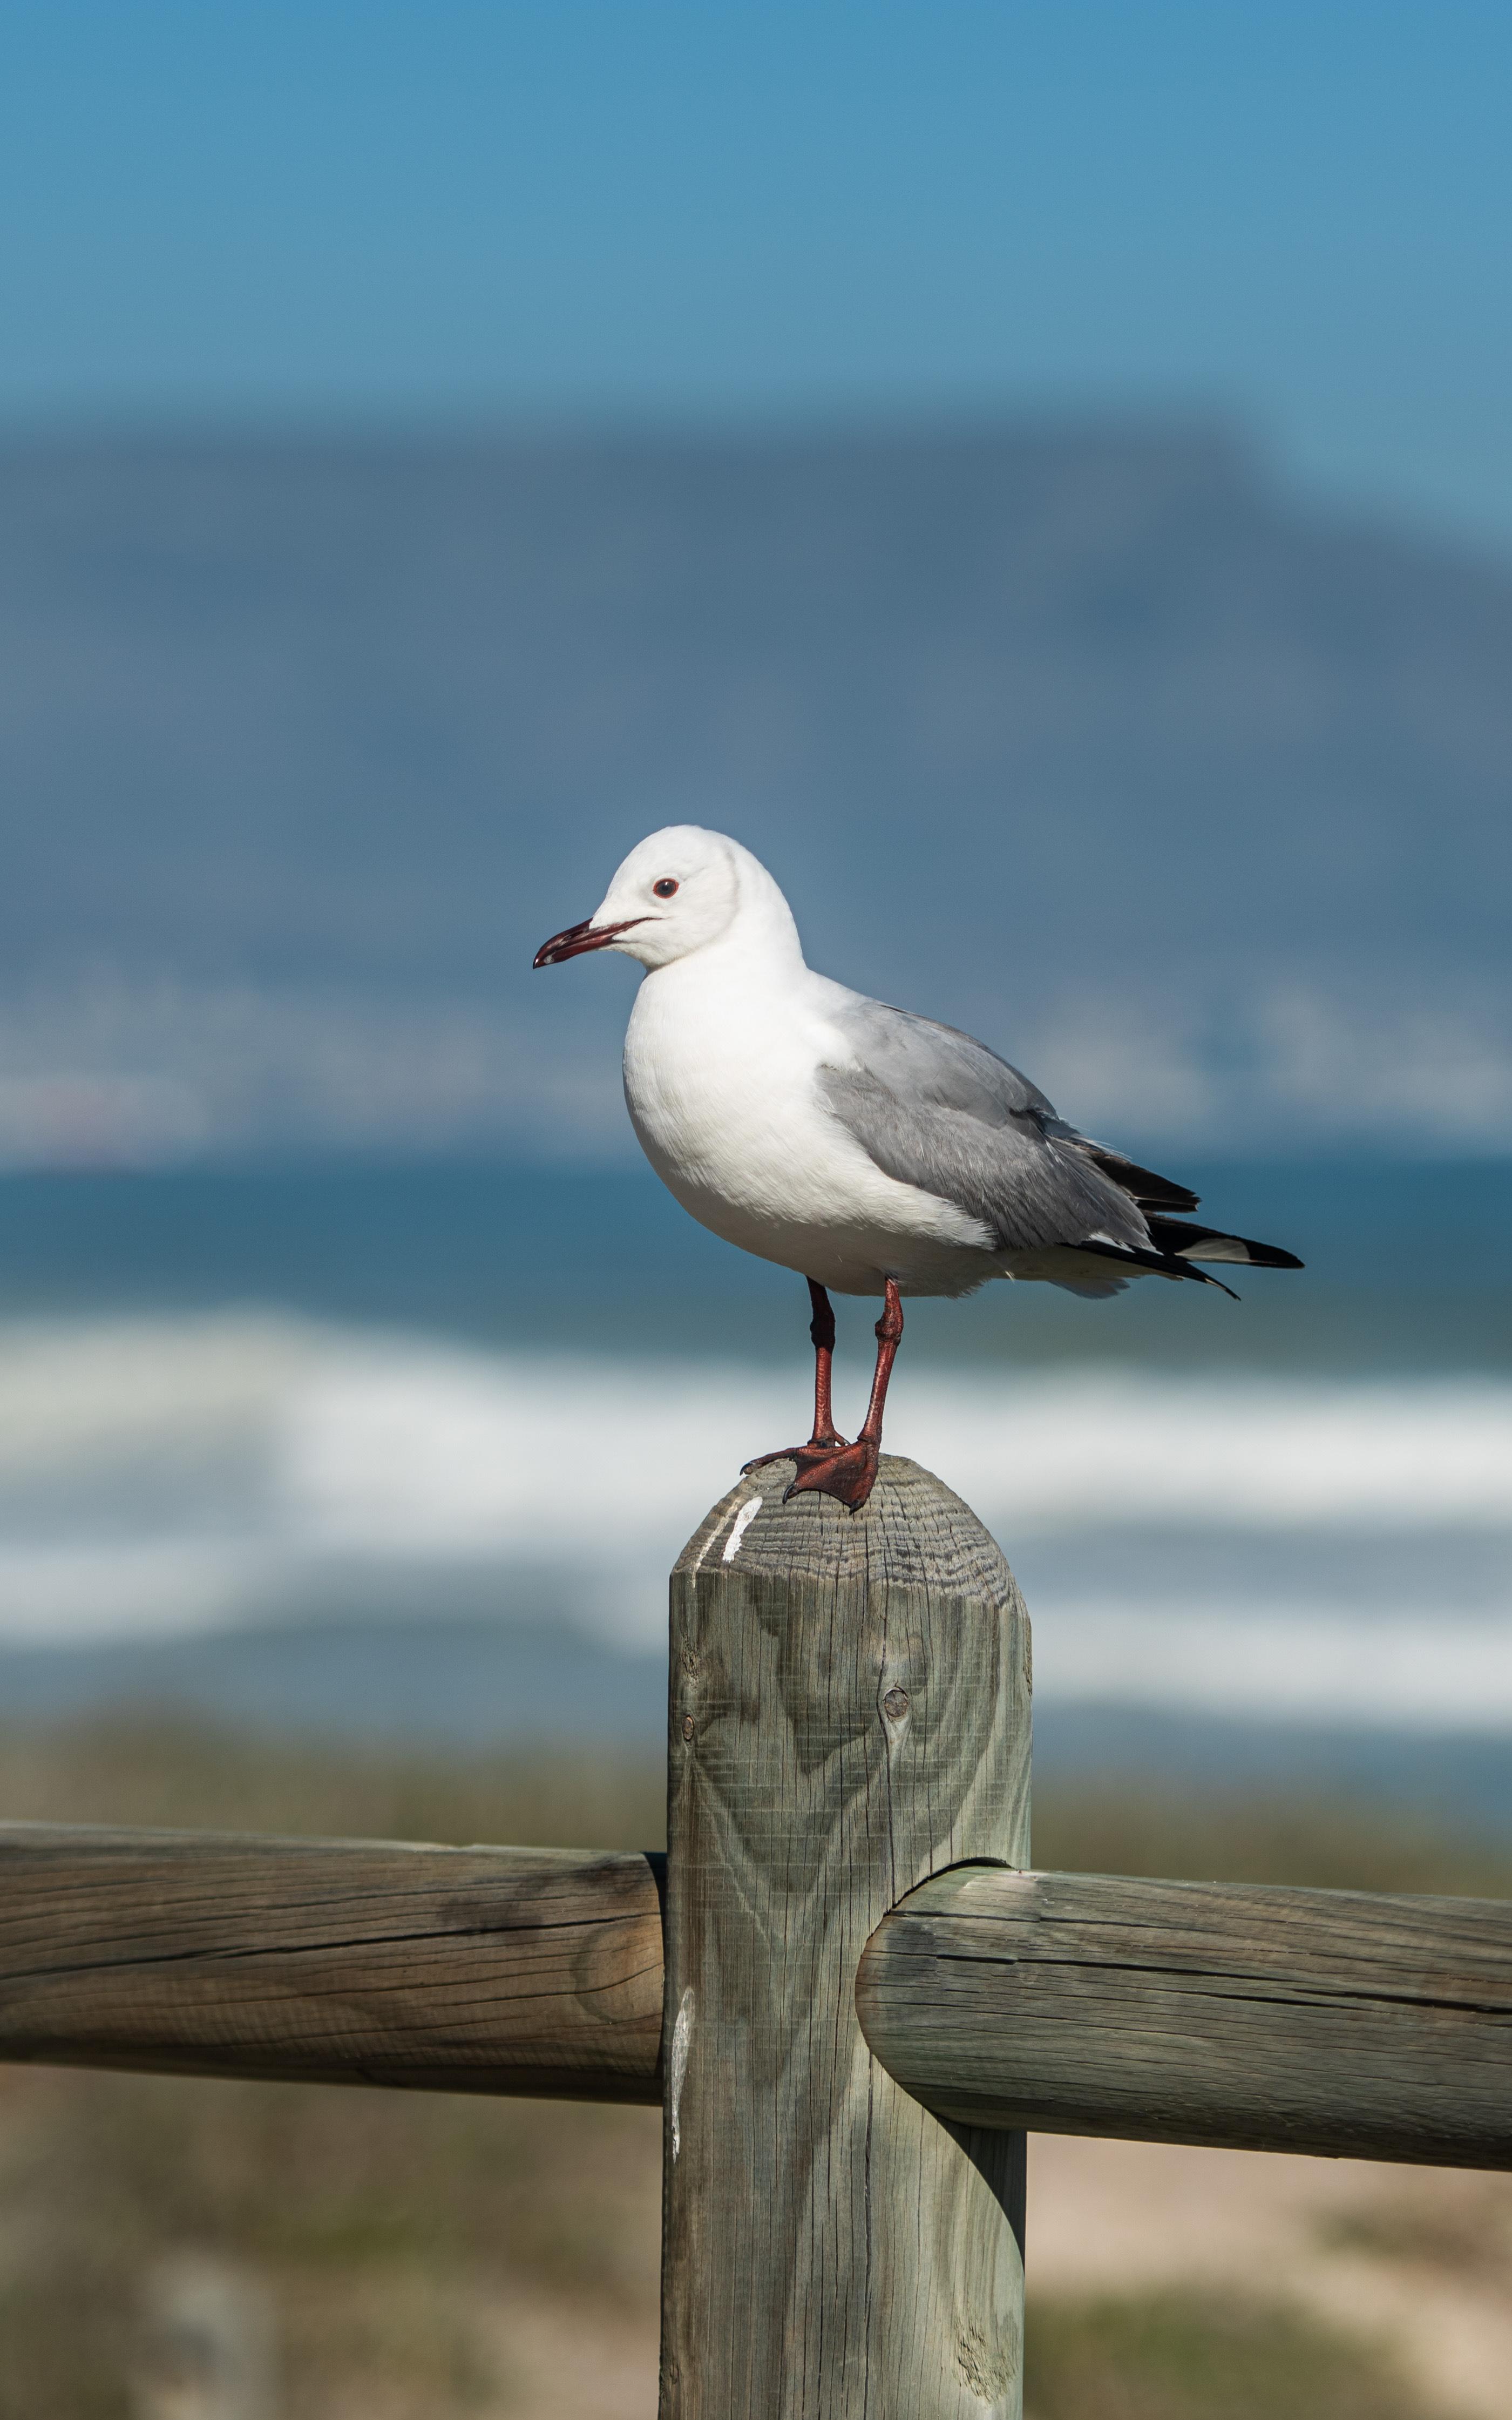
x,y
1265,1256
1194,1242
1159,1264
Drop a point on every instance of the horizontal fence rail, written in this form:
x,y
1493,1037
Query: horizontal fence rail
x,y
1332,2022
1344,2023
485,1970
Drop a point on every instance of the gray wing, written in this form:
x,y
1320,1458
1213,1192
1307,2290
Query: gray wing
x,y
935,1108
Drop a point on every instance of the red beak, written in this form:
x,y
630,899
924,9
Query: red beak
x,y
579,938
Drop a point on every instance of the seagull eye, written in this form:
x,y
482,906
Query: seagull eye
x,y
665,888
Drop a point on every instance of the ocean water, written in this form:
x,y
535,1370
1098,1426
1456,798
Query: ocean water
x,y
1407,1266
434,1403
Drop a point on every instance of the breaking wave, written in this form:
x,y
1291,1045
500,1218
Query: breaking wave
x,y
1307,1547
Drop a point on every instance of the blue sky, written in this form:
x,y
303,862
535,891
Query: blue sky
x,y
250,209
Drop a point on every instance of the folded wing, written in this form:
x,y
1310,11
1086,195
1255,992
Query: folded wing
x,y
936,1110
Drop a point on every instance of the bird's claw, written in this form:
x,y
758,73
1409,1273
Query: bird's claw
x,y
817,1449
848,1474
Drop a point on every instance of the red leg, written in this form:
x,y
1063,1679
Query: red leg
x,y
849,1472
825,1437
822,1337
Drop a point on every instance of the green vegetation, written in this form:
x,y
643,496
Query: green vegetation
x,y
1464,2231
386,2228
1199,2357
178,1772
404,2241
1136,1828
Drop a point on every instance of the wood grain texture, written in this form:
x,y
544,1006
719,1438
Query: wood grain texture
x,y
477,1970
849,1713
1336,2021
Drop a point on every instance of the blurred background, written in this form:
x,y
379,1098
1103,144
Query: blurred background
x,y
1040,476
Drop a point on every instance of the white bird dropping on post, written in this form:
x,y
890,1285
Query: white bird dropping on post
x,y
872,1150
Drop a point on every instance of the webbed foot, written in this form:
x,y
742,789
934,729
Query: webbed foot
x,y
818,1449
847,1472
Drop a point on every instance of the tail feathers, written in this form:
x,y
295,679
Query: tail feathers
x,y
1180,1240
1165,1264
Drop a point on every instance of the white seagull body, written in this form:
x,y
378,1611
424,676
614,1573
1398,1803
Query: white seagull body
x,y
869,1150
724,1065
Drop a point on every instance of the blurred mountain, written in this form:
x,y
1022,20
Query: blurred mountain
x,y
1191,795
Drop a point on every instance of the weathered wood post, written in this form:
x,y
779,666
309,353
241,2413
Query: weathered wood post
x,y
849,1713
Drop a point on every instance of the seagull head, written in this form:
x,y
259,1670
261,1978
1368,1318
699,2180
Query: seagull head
x,y
676,891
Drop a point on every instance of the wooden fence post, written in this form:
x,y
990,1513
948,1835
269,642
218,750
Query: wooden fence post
x,y
848,1714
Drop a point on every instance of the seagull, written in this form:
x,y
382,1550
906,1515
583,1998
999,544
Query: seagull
x,y
870,1151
